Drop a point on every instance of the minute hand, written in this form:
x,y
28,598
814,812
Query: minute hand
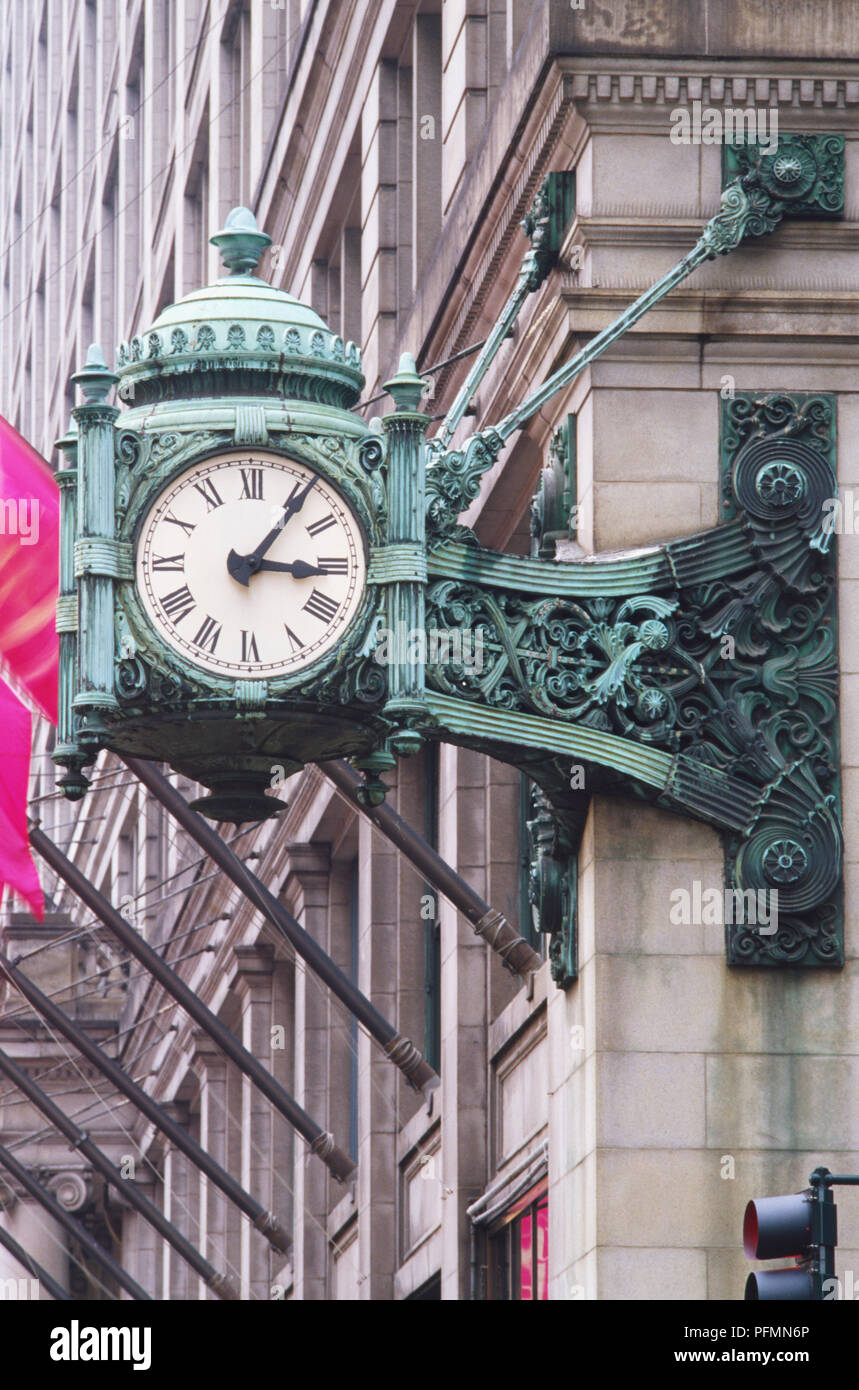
x,y
241,567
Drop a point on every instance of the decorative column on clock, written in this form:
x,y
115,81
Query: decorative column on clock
x,y
67,751
403,562
97,555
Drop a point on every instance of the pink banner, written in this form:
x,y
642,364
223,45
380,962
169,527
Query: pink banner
x,y
16,866
29,569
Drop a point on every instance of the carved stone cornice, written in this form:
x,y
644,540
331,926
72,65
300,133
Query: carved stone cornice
x,y
308,859
629,83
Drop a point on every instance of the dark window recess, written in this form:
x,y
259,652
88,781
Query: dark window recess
x,y
430,1291
518,1264
532,934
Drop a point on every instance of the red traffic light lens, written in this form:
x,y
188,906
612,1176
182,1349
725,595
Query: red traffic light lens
x,y
777,1226
750,1233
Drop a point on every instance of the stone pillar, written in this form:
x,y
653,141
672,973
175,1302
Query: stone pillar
x,y
140,1243
464,1018
426,140
464,89
181,1197
220,1221
378,1080
306,893
253,985
379,222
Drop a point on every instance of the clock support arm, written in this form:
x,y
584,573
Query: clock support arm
x,y
745,209
722,234
520,958
544,225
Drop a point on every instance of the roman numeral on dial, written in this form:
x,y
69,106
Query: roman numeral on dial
x,y
317,527
208,490
321,606
169,563
178,604
250,651
174,521
207,638
332,564
252,483
295,643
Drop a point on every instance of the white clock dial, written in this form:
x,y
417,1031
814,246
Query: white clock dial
x,y
250,565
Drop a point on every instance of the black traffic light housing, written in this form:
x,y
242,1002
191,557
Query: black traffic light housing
x,y
803,1225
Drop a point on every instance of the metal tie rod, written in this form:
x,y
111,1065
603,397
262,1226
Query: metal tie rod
x,y
79,1139
321,1143
518,956
24,1258
263,1220
398,1048
70,1223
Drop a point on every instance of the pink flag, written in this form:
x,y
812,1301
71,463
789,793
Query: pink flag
x,y
29,579
16,866
29,569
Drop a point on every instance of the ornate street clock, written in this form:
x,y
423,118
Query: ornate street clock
x,y
223,545
238,546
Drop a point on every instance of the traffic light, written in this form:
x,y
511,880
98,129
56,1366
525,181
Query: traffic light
x,y
802,1225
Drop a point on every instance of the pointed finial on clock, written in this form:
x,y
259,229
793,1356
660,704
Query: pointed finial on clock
x,y
407,386
240,242
95,378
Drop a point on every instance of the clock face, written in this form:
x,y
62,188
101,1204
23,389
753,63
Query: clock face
x,y
250,565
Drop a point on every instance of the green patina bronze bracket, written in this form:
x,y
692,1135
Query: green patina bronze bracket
x,y
553,507
785,668
700,675
553,888
802,177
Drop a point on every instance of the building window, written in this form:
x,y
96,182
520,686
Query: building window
x,y
428,1292
519,1252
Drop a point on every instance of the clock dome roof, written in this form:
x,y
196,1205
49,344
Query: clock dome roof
x,y
240,336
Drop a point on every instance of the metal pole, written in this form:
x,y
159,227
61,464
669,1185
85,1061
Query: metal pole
x,y
264,1221
518,956
79,1139
826,1226
54,1289
320,1142
71,1224
400,1049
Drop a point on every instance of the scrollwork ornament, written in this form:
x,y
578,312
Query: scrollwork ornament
x,y
453,482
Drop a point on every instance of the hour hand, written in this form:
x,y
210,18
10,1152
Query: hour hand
x,y
241,567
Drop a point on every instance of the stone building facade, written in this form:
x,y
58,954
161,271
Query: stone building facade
x,y
594,1142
